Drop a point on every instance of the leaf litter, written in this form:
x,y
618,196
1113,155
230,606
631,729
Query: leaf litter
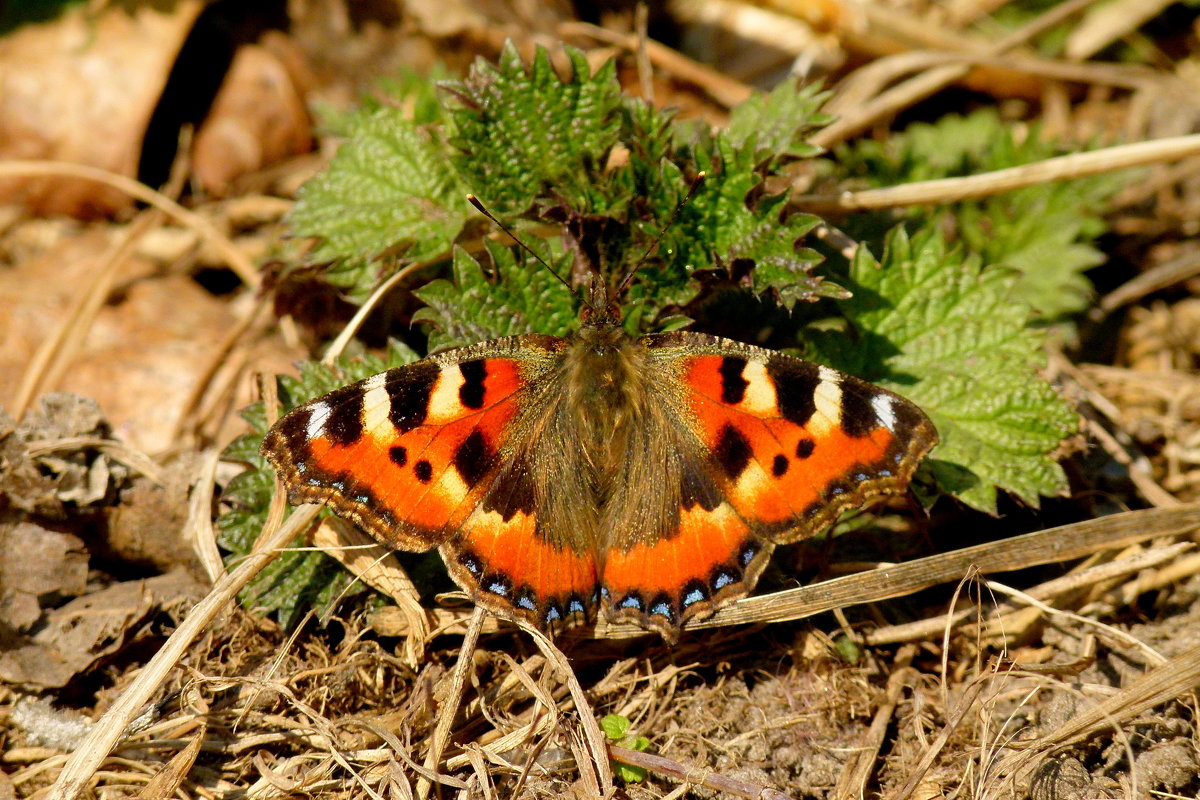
x,y
1078,685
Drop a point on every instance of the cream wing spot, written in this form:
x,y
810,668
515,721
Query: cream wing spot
x,y
444,404
828,401
760,395
377,403
449,485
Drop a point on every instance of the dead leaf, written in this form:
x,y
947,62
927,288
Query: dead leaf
x,y
37,566
76,636
45,484
82,88
146,526
145,351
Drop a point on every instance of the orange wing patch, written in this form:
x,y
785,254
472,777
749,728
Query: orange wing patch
x,y
513,569
664,583
797,443
402,452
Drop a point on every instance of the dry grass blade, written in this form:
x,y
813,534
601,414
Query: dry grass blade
x,y
593,736
199,522
166,782
450,706
926,628
108,730
951,190
377,566
237,261
962,708
1152,280
348,333
717,85
917,88
1043,547
54,355
852,782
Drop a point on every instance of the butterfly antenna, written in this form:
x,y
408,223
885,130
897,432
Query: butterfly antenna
x,y
473,200
628,279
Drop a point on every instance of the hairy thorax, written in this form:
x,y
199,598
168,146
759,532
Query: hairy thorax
x,y
621,469
606,398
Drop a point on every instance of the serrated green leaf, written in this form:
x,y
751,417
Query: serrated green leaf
x,y
629,773
523,297
615,726
390,189
775,124
947,334
521,132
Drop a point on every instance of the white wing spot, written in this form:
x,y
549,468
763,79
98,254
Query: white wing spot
x,y
317,414
885,409
376,405
827,398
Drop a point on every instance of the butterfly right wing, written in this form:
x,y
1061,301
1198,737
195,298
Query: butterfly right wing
x,y
418,456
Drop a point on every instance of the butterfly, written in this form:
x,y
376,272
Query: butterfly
x,y
646,476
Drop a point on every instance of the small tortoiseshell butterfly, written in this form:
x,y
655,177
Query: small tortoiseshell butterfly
x,y
650,476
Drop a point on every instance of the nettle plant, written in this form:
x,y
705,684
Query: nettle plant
x,y
590,178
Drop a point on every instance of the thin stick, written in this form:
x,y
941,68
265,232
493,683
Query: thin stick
x,y
237,261
452,701
951,190
347,333
660,765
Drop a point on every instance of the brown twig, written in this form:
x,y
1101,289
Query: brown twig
x,y
452,701
660,765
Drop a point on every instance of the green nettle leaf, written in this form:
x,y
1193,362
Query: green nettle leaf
x,y
390,188
948,335
723,227
775,124
522,298
522,132
616,728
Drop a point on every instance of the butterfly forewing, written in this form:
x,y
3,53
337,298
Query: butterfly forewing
x,y
407,453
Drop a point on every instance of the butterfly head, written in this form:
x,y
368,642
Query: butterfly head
x,y
601,308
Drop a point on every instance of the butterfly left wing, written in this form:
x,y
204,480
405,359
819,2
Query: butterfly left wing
x,y
774,449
